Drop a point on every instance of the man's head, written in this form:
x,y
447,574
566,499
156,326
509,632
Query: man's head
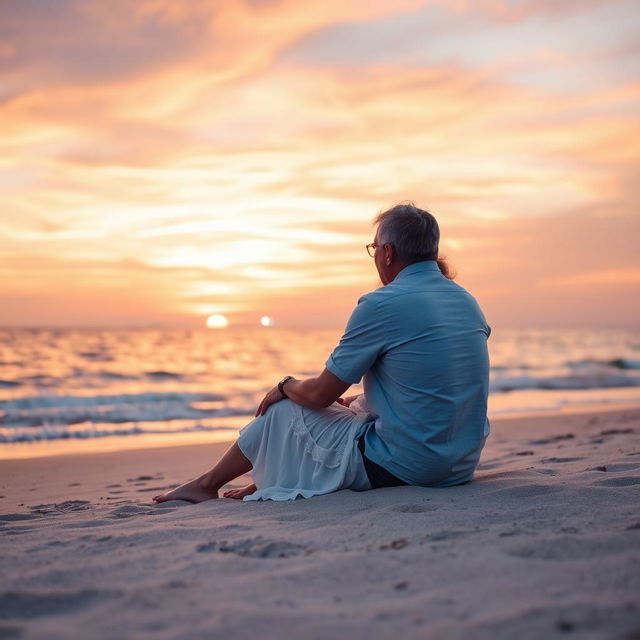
x,y
405,235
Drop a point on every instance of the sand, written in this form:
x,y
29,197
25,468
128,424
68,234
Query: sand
x,y
545,543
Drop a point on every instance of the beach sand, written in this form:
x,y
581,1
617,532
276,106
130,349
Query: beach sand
x,y
544,543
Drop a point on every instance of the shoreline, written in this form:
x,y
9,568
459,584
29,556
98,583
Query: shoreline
x,y
114,444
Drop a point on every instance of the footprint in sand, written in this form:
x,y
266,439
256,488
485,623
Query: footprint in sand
x,y
86,524
25,605
13,517
48,545
131,510
412,508
60,507
616,467
486,466
615,432
255,548
128,511
570,548
552,439
13,531
560,460
620,481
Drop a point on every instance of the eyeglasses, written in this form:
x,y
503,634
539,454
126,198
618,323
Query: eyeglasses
x,y
371,249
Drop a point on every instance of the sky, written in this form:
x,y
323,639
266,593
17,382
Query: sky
x,y
162,161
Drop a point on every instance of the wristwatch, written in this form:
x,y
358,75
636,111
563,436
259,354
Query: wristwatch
x,y
282,383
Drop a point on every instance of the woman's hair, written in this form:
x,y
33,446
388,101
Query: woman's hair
x,y
414,234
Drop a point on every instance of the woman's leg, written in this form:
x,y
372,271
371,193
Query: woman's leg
x,y
206,487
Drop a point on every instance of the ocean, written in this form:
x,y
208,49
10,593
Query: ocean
x,y
126,385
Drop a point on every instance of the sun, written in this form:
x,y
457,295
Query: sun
x,y
217,321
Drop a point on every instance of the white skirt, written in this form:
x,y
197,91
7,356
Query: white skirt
x,y
304,452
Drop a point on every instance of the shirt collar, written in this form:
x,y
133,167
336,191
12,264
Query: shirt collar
x,y
424,266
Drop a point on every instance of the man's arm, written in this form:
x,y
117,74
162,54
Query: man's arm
x,y
313,393
316,393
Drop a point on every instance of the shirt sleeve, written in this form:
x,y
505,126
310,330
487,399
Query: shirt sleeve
x,y
363,341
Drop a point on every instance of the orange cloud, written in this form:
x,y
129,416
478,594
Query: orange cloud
x,y
228,157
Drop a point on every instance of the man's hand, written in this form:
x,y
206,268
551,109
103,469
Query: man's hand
x,y
313,393
345,402
271,398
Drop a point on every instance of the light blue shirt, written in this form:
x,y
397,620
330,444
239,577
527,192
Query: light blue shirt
x,y
421,344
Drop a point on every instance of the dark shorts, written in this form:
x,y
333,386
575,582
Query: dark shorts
x,y
378,476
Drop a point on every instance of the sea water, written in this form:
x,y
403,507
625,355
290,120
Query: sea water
x,y
66,385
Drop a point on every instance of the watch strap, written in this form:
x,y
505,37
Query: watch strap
x,y
282,383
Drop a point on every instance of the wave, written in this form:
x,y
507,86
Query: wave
x,y
109,375
42,380
161,413
96,356
61,434
163,375
624,363
39,402
51,410
615,363
562,383
155,413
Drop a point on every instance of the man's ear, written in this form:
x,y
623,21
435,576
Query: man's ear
x,y
388,254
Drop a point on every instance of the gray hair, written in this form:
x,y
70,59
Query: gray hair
x,y
413,232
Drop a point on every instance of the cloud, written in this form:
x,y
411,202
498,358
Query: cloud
x,y
540,44
70,42
237,165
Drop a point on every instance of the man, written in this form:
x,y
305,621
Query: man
x,y
419,341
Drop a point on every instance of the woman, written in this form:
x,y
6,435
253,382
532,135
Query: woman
x,y
419,341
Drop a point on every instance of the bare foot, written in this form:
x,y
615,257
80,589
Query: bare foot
x,y
192,491
238,494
